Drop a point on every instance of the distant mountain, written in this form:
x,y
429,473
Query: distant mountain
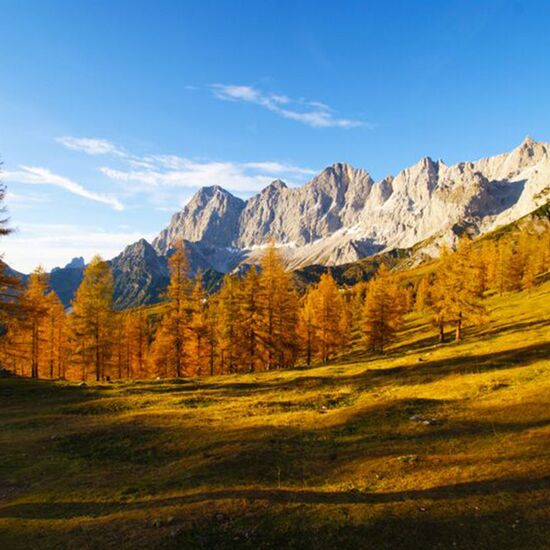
x,y
75,263
140,275
336,219
211,217
342,215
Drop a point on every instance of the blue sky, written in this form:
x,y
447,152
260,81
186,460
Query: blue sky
x,y
112,114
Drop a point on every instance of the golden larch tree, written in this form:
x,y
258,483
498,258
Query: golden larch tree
x,y
249,324
328,310
278,306
55,346
91,324
459,288
170,343
383,311
306,326
198,329
227,318
34,307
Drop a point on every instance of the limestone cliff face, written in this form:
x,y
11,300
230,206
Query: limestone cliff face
x,y
305,214
342,214
210,217
338,217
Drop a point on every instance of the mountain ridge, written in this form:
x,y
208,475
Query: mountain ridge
x,y
342,214
337,218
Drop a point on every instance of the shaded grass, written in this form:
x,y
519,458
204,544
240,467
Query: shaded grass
x,y
336,455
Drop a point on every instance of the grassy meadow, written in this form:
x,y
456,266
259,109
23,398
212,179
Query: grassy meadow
x,y
431,446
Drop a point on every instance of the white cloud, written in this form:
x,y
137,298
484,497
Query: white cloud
x,y
56,244
42,176
227,175
152,172
311,113
279,168
91,146
170,171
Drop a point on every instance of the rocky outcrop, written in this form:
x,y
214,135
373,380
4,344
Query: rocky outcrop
x,y
343,215
140,275
211,217
338,217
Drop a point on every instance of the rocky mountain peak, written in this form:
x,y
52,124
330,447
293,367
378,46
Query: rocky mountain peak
x,y
276,186
76,263
210,191
140,249
343,205
338,216
528,141
211,216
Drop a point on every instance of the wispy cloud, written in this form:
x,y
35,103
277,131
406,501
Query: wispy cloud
x,y
166,180
173,171
91,146
279,168
42,176
311,113
55,244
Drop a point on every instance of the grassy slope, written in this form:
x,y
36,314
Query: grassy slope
x,y
299,459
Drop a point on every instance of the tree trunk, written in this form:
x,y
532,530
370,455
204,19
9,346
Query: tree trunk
x,y
34,360
458,333
441,338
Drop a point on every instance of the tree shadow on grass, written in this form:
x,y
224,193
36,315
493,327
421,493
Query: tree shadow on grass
x,y
430,370
489,487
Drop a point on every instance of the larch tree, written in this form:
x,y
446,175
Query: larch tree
x,y
35,310
211,335
9,284
328,310
306,326
249,325
137,328
357,304
424,293
227,318
198,329
383,311
121,337
55,336
170,344
278,304
92,319
459,288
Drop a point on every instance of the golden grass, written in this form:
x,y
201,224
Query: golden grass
x,y
318,458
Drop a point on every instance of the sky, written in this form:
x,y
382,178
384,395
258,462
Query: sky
x,y
113,114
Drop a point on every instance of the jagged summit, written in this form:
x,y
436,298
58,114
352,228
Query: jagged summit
x,y
339,216
342,210
206,193
76,263
211,217
275,186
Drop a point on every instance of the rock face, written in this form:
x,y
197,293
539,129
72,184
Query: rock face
x,y
338,217
211,217
305,214
343,215
140,275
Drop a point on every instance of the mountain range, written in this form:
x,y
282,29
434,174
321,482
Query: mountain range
x,y
340,216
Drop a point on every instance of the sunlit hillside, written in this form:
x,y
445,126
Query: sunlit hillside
x,y
431,446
